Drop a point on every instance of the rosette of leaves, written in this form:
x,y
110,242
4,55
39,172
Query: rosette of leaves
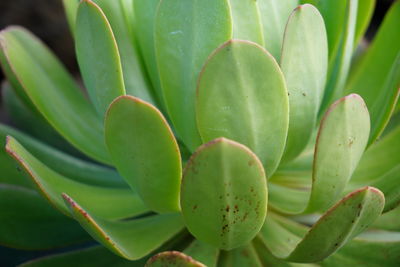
x,y
225,133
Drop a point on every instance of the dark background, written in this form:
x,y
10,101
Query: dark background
x,y
46,19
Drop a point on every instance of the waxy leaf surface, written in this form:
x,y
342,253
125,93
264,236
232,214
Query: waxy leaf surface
x,y
224,194
131,239
145,151
304,63
346,219
203,253
242,256
186,32
242,96
54,92
98,56
102,201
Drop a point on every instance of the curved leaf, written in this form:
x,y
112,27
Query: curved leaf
x,y
29,222
389,221
341,141
224,194
110,203
346,219
184,38
70,8
131,239
54,92
364,15
389,184
274,15
242,96
304,63
153,167
98,56
171,259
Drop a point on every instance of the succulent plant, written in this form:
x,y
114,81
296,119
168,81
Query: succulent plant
x,y
217,133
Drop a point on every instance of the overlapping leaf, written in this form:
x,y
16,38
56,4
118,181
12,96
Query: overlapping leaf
x,y
145,151
242,96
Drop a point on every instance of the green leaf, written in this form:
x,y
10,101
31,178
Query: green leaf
x,y
239,257
274,15
120,14
341,141
153,168
98,56
376,77
304,63
184,38
224,194
246,21
89,257
346,219
131,239
70,8
112,203
29,222
202,252
54,92
374,249
64,164
242,96
341,55
171,259
145,15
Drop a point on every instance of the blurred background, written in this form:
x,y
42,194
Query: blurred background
x,y
46,19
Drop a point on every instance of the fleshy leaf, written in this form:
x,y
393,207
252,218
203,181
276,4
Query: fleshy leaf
x,y
304,63
224,194
376,77
346,219
184,38
54,92
64,164
153,167
274,15
98,56
88,257
364,15
389,221
389,184
341,141
29,222
120,14
171,259
106,202
131,239
202,252
242,96
246,22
